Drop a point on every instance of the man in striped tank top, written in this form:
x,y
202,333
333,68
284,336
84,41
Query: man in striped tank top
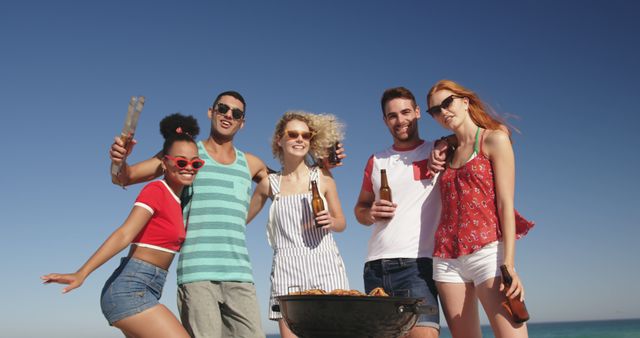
x,y
216,292
402,240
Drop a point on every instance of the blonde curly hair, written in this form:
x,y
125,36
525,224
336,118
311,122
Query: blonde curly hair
x,y
326,129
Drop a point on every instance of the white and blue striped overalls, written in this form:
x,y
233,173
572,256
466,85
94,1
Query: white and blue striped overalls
x,y
304,257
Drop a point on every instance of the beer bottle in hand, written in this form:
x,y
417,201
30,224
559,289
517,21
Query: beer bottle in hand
x,y
515,306
385,191
333,156
316,201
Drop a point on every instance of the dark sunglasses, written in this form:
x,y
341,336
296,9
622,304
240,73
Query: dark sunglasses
x,y
293,134
182,163
435,110
236,113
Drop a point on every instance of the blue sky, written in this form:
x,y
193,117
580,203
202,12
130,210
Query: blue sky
x,y
567,69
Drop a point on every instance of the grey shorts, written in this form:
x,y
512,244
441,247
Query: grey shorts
x,y
220,309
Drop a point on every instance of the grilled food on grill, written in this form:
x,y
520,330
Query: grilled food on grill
x,y
342,292
378,292
308,292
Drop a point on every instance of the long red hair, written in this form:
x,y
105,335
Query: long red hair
x,y
478,111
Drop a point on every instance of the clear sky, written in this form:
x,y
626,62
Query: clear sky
x,y
565,71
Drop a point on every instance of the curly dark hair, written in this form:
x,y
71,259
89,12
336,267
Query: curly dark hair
x,y
177,127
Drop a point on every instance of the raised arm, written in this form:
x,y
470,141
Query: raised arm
x,y
340,152
143,171
118,240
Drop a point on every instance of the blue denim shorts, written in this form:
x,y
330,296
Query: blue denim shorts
x,y
408,277
134,287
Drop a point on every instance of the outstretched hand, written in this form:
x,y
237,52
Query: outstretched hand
x,y
73,280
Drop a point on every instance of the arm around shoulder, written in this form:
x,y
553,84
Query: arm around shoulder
x,y
258,199
257,168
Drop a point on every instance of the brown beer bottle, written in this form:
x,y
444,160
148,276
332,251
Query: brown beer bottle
x,y
515,306
333,155
385,191
316,201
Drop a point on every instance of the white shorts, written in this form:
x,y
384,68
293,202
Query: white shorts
x,y
477,267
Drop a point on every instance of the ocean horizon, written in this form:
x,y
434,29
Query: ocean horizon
x,y
615,328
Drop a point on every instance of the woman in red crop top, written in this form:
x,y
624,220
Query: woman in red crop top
x,y
156,231
478,224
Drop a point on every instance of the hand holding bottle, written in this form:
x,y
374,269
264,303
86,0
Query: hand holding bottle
x,y
511,285
324,220
515,295
335,157
382,210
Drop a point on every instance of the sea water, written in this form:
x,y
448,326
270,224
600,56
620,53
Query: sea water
x,y
624,328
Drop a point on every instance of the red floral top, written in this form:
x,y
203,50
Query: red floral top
x,y
469,219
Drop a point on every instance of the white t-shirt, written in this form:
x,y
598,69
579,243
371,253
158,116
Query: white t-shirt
x,y
410,233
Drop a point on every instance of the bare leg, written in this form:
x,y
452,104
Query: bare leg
x,y
499,317
460,307
127,334
157,321
285,332
423,332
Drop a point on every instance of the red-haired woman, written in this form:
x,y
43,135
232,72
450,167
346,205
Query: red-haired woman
x,y
478,225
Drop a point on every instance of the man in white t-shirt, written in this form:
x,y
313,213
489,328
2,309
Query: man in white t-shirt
x,y
401,245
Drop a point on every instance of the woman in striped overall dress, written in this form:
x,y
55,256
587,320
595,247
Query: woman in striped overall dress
x,y
304,256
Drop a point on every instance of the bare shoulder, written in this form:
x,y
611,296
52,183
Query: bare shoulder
x,y
254,162
325,173
252,158
326,177
257,168
496,141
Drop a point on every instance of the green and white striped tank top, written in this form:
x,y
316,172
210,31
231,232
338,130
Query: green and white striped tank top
x,y
215,248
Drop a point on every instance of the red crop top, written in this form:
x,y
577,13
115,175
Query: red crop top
x,y
165,230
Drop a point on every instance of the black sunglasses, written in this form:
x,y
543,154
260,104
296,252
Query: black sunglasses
x,y
435,110
236,113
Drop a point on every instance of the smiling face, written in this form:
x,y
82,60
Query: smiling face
x,y
224,124
173,174
449,109
295,139
401,117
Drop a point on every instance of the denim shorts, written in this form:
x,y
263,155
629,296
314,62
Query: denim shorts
x,y
134,287
408,277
